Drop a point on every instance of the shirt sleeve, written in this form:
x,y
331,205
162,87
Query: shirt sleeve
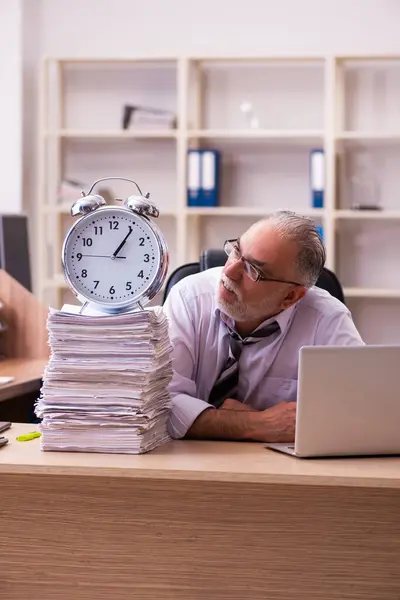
x,y
185,406
338,330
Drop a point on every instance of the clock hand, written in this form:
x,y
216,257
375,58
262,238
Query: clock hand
x,y
123,242
102,256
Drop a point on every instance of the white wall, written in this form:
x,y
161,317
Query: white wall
x,y
159,27
31,46
124,27
10,105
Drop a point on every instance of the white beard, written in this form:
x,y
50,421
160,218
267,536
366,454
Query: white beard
x,y
240,311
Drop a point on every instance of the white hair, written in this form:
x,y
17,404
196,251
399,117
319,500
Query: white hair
x,y
311,256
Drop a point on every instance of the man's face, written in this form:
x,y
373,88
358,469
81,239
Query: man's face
x,y
245,300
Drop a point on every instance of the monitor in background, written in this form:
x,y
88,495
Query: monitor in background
x,y
14,248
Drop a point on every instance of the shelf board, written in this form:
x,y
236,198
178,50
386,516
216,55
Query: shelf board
x,y
295,135
242,211
359,292
279,59
116,60
65,209
304,135
57,282
367,214
114,134
374,58
371,136
60,209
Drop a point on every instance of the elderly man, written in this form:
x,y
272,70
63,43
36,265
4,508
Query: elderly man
x,y
237,331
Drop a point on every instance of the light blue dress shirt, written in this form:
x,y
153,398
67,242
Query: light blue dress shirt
x,y
268,368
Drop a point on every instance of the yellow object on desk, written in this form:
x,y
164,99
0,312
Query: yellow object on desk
x,y
28,436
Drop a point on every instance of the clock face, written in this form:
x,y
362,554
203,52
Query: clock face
x,y
112,256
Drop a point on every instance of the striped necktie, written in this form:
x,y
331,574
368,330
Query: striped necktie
x,y
227,381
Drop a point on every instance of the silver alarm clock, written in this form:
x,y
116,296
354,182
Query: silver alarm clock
x,y
115,259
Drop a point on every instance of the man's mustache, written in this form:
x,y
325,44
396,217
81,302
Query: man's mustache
x,y
231,285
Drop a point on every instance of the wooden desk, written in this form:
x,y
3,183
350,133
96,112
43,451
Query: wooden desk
x,y
17,398
27,375
197,520
24,343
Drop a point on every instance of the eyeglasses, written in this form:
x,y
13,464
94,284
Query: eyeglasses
x,y
231,248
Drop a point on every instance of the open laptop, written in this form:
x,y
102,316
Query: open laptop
x,y
348,402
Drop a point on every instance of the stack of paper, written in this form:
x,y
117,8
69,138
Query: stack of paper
x,y
105,385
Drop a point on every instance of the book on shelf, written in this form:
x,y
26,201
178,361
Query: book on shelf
x,y
317,177
203,177
138,117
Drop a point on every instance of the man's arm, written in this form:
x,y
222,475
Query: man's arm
x,y
235,421
185,405
338,330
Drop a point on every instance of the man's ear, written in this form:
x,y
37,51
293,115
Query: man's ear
x,y
294,295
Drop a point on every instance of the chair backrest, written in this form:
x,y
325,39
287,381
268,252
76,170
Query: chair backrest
x,y
217,258
329,282
212,258
178,274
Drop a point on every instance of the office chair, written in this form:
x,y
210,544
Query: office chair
x,y
180,273
217,258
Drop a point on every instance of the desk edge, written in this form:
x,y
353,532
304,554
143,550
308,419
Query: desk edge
x,y
222,477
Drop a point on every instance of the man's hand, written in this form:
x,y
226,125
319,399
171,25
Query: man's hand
x,y
276,424
231,404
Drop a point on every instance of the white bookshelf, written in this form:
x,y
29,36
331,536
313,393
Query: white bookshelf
x,y
347,105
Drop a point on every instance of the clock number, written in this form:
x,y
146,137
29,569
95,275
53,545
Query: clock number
x,y
112,290
146,258
84,273
141,241
87,241
128,286
141,274
114,224
79,256
96,283
98,230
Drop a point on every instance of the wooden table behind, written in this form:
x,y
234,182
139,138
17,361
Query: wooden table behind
x,y
18,397
24,346
196,520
